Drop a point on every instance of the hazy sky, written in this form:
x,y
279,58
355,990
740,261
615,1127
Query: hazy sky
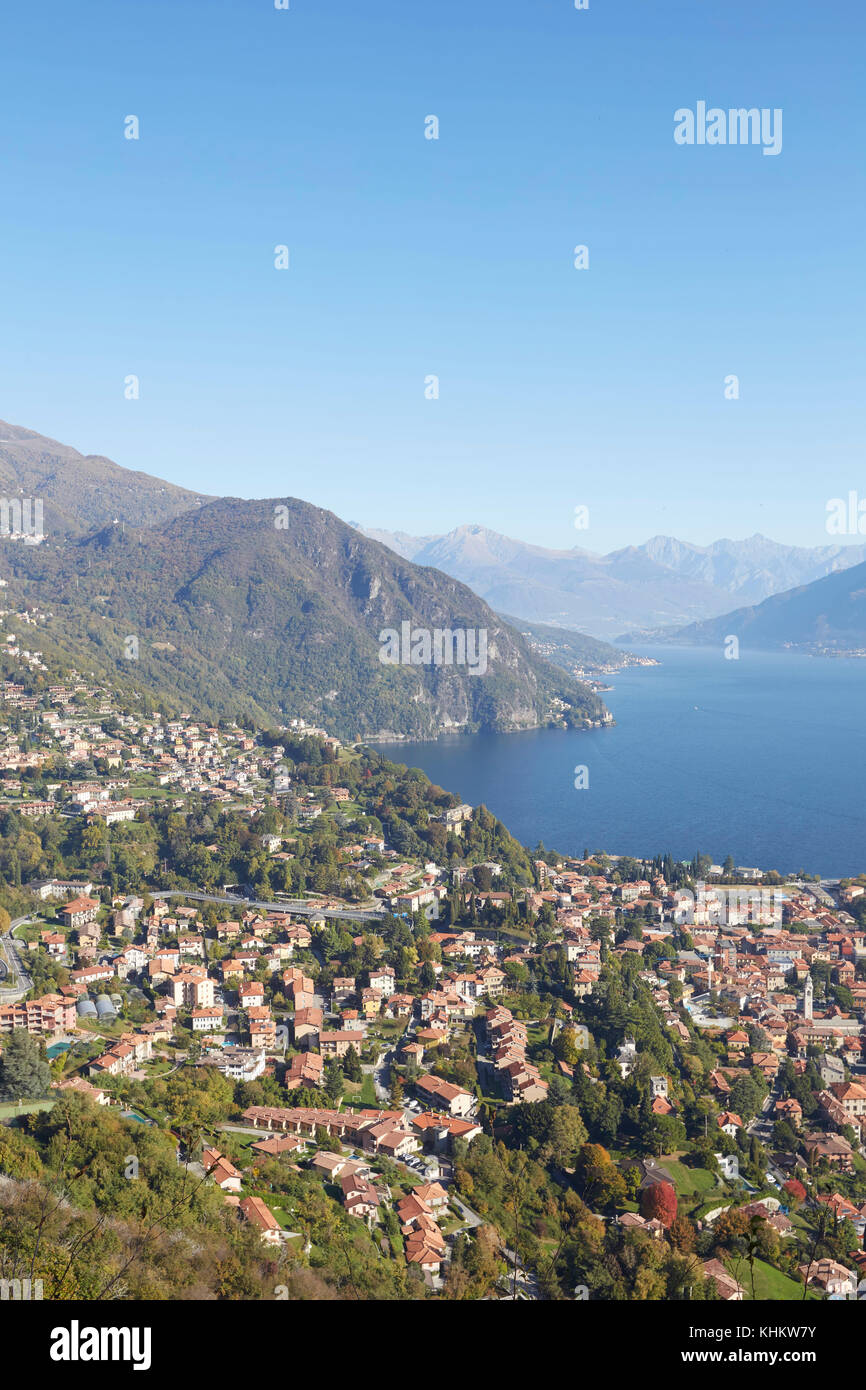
x,y
453,257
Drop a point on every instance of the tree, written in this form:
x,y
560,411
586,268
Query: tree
x,y
682,1235
565,1047
567,1134
659,1202
352,1065
24,1070
794,1191
334,1083
598,1175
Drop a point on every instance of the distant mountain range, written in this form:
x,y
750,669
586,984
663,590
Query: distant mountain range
x,y
276,608
827,617
272,608
664,583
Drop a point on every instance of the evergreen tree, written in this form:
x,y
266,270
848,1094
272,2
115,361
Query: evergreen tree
x,y
24,1070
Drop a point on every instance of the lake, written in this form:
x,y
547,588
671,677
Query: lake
x,y
762,758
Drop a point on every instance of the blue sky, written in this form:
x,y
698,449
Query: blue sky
x,y
412,257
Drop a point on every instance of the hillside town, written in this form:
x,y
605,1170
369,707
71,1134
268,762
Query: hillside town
x,y
304,965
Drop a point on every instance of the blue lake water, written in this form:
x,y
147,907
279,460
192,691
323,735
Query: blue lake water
x,y
762,758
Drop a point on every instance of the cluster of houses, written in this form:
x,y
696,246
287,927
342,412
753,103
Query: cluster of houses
x,y
389,1133
506,1038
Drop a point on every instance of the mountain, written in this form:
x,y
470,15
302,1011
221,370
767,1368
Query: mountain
x,y
753,569
276,608
83,491
597,594
825,617
663,583
399,541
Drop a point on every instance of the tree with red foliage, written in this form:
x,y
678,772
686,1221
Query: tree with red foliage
x,y
659,1202
794,1191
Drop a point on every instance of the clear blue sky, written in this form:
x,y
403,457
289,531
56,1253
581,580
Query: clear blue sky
x,y
453,257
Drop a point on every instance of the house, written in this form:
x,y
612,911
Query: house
x,y
89,974
78,911
280,1144
434,1195
438,1132
251,994
206,1020
832,1147
360,1197
82,1088
337,1044
789,1110
389,1138
118,1061
51,1016
58,888
420,1251
192,988
221,1169
630,1220
254,1210
726,1286
830,1276
383,980
307,1024
432,1090
729,1122
54,943
304,1069
851,1096
237,1063
330,1165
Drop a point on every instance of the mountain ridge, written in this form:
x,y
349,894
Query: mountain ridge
x,y
228,607
79,491
826,617
663,583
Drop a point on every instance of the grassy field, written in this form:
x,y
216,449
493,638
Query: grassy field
x,y
285,1217
689,1182
770,1284
11,1108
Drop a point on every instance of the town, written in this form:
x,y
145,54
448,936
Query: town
x,y
346,1011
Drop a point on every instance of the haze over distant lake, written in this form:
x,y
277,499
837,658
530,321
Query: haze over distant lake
x,y
762,758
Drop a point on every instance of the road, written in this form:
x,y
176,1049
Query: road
x,y
24,981
296,906
381,1073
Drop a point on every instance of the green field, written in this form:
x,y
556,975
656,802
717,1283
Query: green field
x,y
770,1284
689,1182
284,1216
11,1108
